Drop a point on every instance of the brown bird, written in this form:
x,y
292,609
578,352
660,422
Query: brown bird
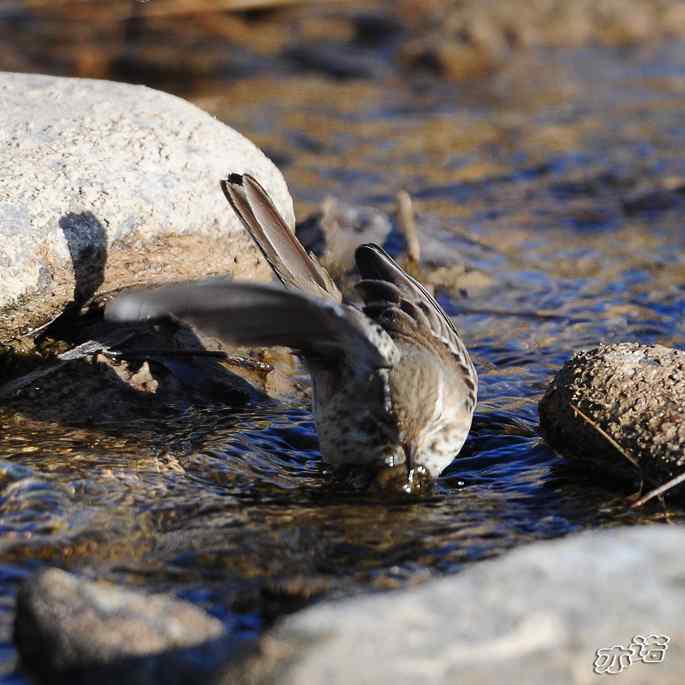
x,y
392,381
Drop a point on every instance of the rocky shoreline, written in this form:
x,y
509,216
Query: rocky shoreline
x,y
539,614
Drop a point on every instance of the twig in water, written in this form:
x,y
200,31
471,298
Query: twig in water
x,y
523,314
137,354
231,359
407,224
657,492
124,9
665,487
33,332
86,349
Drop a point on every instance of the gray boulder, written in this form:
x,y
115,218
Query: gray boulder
x,y
105,185
536,615
68,629
620,408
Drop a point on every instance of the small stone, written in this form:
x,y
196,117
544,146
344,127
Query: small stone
x,y
619,409
68,627
144,381
334,233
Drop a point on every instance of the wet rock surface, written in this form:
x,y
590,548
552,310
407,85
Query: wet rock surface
x,y
68,629
117,373
620,409
109,184
536,615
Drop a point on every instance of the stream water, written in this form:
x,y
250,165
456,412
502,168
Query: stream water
x,y
560,185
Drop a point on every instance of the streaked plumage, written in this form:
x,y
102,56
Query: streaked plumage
x,y
393,383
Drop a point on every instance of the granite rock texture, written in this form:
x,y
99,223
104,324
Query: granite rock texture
x,y
106,185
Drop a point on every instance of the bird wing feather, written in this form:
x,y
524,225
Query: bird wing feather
x,y
256,314
396,300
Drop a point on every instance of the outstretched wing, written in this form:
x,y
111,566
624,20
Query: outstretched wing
x,y
256,314
281,248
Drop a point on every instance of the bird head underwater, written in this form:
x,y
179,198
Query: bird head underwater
x,y
394,388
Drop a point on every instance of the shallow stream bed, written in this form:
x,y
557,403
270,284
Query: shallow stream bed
x,y
564,201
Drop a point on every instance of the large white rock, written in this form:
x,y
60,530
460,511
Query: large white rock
x,y
106,185
536,615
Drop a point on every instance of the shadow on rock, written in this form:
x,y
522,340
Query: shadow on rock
x,y
86,239
87,372
113,374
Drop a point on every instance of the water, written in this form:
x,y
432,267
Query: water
x,y
537,181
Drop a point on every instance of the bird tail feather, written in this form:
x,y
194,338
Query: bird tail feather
x,y
277,242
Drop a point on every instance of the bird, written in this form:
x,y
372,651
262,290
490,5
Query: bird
x,y
393,385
